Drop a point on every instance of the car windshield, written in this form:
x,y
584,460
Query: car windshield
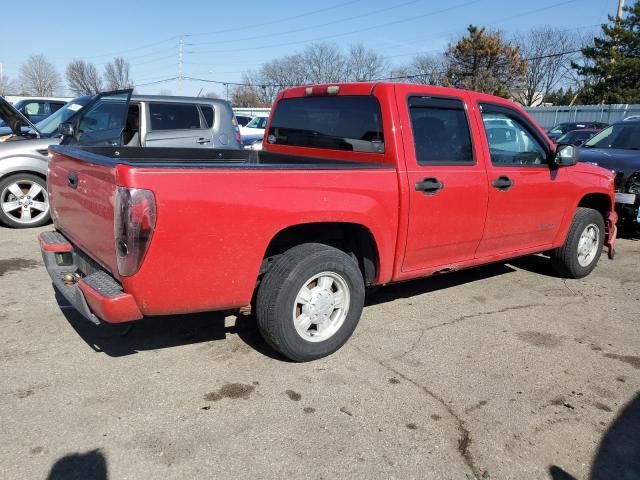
x,y
258,122
575,136
49,125
562,128
621,136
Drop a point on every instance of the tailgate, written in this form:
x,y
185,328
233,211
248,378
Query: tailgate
x,y
82,198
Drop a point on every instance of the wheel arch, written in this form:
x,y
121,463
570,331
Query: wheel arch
x,y
597,201
353,238
24,164
23,171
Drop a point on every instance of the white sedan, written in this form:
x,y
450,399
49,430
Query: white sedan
x,y
256,126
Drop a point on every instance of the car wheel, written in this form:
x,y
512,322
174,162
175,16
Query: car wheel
x,y
24,202
310,301
580,253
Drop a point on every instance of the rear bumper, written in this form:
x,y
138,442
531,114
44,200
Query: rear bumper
x,y
91,290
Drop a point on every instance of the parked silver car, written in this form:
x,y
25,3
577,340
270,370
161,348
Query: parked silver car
x,y
23,163
149,121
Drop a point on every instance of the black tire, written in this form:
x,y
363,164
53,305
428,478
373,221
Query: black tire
x,y
280,287
23,180
565,258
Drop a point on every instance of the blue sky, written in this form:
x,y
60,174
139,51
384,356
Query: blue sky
x,y
229,37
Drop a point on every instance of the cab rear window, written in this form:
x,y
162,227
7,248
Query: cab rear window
x,y
352,123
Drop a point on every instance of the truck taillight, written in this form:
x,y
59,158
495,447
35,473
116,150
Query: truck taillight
x,y
134,222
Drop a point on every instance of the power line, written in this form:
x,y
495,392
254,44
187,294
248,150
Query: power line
x,y
245,27
327,37
274,85
279,20
325,24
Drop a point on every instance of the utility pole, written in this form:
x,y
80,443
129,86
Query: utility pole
x,y
620,7
180,64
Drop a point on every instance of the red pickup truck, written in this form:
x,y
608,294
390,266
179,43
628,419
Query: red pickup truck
x,y
358,185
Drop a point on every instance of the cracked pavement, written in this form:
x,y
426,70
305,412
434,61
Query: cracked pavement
x,y
499,372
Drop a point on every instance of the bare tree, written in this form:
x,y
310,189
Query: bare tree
x,y
548,53
83,78
364,65
211,95
578,83
116,74
318,63
7,86
39,77
325,63
290,70
245,96
426,69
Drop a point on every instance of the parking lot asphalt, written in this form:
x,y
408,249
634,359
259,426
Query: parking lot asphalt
x,y
504,372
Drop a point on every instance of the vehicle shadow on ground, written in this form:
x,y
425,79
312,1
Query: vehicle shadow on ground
x,y
438,282
618,455
538,264
629,233
152,333
80,466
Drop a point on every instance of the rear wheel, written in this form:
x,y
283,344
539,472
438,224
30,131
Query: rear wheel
x,y
24,202
310,301
582,248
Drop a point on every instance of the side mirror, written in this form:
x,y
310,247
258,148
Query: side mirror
x,y
566,155
66,129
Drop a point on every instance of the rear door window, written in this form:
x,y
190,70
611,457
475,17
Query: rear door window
x,y
174,116
440,131
54,107
352,123
207,113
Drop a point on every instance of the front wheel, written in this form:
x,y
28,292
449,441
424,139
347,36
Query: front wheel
x,y
582,248
310,301
24,202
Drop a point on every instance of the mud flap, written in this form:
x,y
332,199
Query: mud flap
x,y
612,234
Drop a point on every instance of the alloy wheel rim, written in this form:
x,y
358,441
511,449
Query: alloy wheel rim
x,y
588,245
24,202
321,306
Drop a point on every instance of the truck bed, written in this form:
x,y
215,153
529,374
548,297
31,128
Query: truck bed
x,y
217,213
207,158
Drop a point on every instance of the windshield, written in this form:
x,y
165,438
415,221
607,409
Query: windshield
x,y
621,136
49,125
258,122
562,128
575,136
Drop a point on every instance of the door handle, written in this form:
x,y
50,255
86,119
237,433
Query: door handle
x,y
429,186
72,179
502,183
202,140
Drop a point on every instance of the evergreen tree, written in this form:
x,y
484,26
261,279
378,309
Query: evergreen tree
x,y
484,62
612,64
